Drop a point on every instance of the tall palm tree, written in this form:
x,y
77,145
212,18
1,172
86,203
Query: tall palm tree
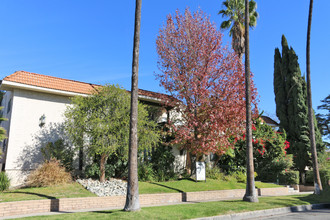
x,y
132,196
317,181
250,193
234,11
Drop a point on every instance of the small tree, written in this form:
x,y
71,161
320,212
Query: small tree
x,y
102,119
207,80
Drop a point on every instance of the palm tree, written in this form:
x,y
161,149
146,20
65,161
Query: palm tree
x,y
317,181
250,193
234,11
132,196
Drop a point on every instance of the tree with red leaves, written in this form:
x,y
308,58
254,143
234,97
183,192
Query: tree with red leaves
x,y
207,80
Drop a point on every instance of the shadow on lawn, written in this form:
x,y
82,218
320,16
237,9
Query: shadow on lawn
x,y
35,194
183,194
108,211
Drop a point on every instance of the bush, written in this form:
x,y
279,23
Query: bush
x,y
162,160
145,172
60,151
214,173
240,177
289,177
48,174
324,175
4,181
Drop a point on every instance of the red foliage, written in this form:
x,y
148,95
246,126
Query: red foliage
x,y
208,80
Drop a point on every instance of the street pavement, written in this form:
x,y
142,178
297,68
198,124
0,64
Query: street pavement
x,y
318,214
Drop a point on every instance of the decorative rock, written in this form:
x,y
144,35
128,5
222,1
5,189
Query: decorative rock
x,y
112,187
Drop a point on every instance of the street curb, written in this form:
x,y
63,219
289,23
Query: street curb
x,y
267,212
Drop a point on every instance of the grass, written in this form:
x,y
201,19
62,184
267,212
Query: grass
x,y
188,185
188,211
72,190
75,190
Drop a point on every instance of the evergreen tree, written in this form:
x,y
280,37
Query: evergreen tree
x,y
290,90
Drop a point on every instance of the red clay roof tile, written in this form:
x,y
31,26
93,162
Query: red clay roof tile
x,y
52,82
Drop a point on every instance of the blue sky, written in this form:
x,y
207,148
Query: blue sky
x,y
91,41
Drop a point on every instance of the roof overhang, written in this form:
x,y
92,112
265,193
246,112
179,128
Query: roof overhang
x,y
9,86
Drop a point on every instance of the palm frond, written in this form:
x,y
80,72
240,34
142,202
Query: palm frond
x,y
225,24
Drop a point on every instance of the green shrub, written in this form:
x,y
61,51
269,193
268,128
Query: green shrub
x,y
162,160
289,177
214,173
240,177
93,171
324,175
60,151
4,181
145,172
229,178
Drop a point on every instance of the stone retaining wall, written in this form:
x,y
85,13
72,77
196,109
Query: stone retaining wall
x,y
70,204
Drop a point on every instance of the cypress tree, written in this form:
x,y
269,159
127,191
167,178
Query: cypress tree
x,y
290,90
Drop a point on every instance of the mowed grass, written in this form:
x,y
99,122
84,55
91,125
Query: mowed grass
x,y
72,190
75,190
188,185
188,211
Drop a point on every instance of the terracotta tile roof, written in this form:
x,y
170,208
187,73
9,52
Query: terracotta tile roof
x,y
52,82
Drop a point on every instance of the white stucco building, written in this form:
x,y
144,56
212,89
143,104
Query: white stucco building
x,y
34,105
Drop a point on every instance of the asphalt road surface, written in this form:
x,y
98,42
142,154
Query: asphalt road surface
x,y
317,214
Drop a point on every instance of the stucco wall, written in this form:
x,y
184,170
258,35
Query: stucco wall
x,y
26,137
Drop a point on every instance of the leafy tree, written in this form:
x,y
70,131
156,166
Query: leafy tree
x,y
132,196
324,119
206,80
234,11
291,106
311,122
250,193
103,119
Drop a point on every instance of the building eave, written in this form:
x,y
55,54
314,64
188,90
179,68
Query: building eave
x,y
8,85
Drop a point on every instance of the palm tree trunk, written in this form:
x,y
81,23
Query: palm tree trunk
x,y
317,181
250,193
132,196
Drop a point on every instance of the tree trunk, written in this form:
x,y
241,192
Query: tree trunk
x,y
250,194
103,160
302,177
81,158
317,180
132,196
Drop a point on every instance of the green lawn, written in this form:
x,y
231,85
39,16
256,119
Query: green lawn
x,y
76,190
52,192
187,211
192,186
